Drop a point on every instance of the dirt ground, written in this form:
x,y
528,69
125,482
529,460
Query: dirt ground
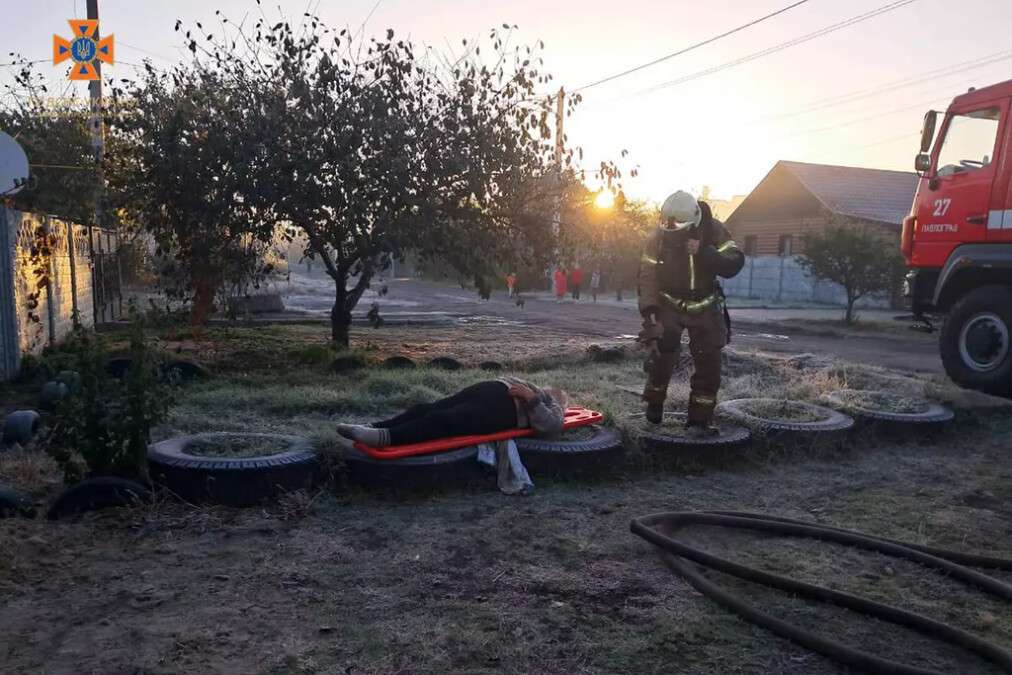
x,y
466,580
890,345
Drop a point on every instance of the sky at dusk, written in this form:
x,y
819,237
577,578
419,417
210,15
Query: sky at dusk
x,y
851,97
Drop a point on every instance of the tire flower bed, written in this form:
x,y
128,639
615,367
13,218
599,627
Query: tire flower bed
x,y
780,410
236,469
775,416
671,436
237,446
883,406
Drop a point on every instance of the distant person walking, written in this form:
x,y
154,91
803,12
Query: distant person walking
x,y
560,284
511,285
595,283
483,286
577,277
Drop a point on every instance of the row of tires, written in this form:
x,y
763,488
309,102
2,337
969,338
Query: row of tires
x,y
250,481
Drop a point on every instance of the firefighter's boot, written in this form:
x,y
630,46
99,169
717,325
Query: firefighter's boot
x,y
705,382
659,371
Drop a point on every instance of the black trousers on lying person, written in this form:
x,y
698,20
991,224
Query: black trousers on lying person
x,y
482,408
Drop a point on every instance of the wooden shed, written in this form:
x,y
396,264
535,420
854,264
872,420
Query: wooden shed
x,y
796,198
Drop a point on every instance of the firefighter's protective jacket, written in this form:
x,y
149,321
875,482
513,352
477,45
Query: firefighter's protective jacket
x,y
670,277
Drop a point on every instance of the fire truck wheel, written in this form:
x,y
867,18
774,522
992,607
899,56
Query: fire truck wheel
x,y
975,342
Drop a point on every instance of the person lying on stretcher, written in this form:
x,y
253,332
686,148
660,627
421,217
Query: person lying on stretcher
x,y
483,408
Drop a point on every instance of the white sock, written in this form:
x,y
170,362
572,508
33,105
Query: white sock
x,y
376,438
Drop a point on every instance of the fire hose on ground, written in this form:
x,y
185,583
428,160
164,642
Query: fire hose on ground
x,y
659,528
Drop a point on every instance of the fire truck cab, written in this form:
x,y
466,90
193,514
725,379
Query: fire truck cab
x,y
957,240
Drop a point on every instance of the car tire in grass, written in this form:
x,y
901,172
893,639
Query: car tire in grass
x,y
13,504
445,363
232,481
53,393
976,341
601,448
181,371
399,363
20,427
346,363
118,366
600,354
71,378
442,469
731,437
932,414
93,494
830,422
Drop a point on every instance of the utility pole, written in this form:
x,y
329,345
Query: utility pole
x,y
560,116
96,126
95,123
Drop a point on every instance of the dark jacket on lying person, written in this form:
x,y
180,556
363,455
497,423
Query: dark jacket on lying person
x,y
484,408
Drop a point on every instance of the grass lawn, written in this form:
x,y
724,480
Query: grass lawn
x,y
467,580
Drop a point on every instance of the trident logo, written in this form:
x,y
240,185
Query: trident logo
x,y
84,50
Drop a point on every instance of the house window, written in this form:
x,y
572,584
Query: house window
x,y
751,244
786,245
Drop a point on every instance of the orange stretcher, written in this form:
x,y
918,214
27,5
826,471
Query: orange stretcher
x,y
575,417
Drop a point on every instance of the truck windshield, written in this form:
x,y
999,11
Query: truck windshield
x,y
969,142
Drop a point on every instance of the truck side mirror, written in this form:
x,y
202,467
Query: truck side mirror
x,y
923,163
928,130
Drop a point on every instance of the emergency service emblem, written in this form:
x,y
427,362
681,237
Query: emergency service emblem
x,y
85,49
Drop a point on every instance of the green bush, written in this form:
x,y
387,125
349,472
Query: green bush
x,y
104,427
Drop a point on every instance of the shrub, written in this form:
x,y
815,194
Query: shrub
x,y
105,426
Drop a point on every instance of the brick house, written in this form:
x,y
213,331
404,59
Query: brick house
x,y
796,198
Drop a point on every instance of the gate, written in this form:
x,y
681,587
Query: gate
x,y
106,276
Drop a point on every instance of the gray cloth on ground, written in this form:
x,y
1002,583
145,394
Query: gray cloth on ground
x,y
512,477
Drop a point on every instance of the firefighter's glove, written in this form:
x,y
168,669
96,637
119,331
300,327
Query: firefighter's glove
x,y
650,337
651,332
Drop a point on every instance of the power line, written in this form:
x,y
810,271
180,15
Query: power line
x,y
141,66
902,83
690,48
23,63
782,46
361,28
62,166
945,93
891,139
146,51
849,123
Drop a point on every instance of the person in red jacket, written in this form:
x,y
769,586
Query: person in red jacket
x,y
560,284
576,276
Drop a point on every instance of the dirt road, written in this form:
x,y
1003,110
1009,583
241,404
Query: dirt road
x,y
420,301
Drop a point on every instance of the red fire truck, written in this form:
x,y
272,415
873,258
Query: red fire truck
x,y
957,240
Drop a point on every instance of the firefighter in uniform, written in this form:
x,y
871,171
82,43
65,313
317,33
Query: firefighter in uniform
x,y
679,291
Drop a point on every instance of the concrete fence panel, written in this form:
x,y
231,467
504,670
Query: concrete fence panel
x,y
782,279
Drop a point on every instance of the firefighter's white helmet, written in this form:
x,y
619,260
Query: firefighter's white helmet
x,y
680,211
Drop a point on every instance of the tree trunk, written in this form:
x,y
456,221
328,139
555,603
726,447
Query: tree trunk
x,y
340,315
203,303
340,324
849,317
